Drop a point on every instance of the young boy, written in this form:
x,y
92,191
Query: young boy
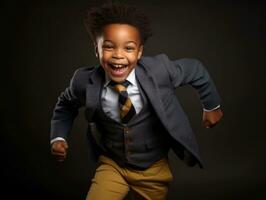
x,y
133,114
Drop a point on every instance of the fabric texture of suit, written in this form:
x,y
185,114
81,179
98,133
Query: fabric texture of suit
x,y
159,77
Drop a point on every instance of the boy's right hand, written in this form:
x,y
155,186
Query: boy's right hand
x,y
59,150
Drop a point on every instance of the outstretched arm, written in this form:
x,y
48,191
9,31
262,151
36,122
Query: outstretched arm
x,y
192,72
65,111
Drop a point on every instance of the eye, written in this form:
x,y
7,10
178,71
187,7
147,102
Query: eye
x,y
108,46
129,48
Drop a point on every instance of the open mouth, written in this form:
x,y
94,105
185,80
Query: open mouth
x,y
117,66
118,69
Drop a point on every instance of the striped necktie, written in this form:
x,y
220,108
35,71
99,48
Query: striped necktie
x,y
126,108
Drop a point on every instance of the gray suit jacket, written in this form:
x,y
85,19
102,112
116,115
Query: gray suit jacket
x,y
159,77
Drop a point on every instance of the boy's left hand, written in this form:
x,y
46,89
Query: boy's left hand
x,y
211,118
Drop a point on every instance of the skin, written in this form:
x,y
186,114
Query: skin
x,y
121,44
59,150
210,119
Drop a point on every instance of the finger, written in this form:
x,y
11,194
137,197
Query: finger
x,y
214,123
65,145
58,154
59,149
206,124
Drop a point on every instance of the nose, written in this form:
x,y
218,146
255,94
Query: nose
x,y
118,54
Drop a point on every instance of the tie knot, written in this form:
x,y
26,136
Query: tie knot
x,y
120,87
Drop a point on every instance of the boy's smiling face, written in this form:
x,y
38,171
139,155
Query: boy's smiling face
x,y
118,49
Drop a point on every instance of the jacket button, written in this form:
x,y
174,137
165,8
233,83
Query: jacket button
x,y
126,130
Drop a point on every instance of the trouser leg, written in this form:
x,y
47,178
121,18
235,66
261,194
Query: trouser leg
x,y
107,184
153,183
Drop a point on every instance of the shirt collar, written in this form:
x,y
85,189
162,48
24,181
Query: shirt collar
x,y
131,78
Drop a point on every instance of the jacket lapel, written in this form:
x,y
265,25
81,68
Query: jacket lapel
x,y
93,91
150,88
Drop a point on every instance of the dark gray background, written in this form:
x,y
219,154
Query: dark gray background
x,y
45,41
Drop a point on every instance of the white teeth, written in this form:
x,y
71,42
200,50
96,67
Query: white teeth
x,y
118,66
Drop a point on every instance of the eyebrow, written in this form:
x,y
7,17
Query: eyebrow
x,y
126,42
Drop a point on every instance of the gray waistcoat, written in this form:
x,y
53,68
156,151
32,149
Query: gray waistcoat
x,y
137,144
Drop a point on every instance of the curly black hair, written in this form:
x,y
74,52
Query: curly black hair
x,y
117,13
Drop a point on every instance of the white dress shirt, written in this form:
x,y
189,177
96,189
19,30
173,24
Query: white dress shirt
x,y
110,97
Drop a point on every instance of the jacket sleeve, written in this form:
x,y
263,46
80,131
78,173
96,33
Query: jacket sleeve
x,y
192,72
66,108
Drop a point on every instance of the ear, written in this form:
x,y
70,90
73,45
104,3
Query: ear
x,y
140,51
96,50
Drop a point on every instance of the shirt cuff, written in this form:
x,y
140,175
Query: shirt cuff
x,y
207,110
57,139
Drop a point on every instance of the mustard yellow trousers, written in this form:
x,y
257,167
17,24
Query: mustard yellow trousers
x,y
112,182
